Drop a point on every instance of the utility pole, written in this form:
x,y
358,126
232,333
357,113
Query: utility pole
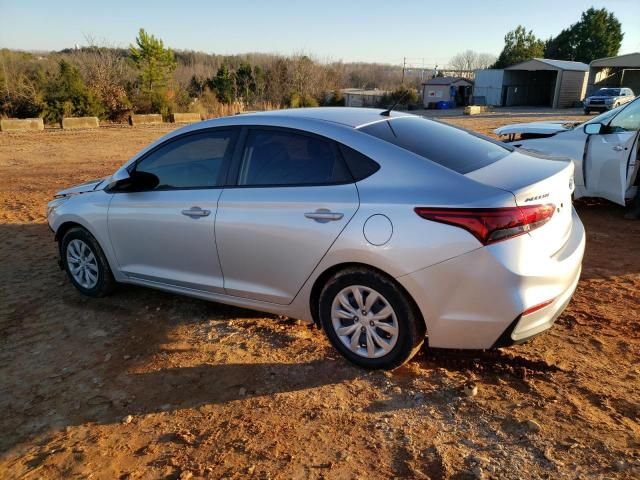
x,y
404,65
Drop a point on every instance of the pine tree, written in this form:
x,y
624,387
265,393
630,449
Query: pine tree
x,y
155,63
519,46
598,34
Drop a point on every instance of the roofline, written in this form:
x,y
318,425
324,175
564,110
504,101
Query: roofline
x,y
546,62
283,115
615,56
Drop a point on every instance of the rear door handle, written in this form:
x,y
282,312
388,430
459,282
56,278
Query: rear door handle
x,y
618,148
196,212
322,215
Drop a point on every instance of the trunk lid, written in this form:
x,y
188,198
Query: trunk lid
x,y
535,179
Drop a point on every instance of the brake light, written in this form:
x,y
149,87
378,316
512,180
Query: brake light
x,y
491,225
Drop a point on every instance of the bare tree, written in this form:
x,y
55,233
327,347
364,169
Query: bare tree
x,y
106,71
471,60
485,60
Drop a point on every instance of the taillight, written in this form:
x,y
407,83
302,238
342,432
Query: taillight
x,y
490,225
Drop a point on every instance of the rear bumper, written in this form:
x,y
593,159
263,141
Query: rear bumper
x,y
476,300
524,328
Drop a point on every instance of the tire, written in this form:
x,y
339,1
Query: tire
x,y
399,347
98,281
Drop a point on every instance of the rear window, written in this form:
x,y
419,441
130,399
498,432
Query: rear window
x,y
451,147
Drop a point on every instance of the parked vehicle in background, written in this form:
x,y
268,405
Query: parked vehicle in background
x,y
607,99
604,150
381,227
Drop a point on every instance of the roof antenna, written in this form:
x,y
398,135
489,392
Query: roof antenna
x,y
387,113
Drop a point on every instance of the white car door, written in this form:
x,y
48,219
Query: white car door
x,y
611,156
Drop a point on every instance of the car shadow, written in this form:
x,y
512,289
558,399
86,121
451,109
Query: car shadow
x,y
67,360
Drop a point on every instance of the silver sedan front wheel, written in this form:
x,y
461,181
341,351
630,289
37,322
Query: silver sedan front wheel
x,y
364,321
83,265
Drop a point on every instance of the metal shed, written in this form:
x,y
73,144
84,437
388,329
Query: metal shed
x,y
620,71
544,82
456,90
488,84
360,97
536,82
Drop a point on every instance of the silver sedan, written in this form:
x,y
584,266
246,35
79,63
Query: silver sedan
x,y
385,229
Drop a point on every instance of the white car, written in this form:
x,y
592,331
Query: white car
x,y
604,150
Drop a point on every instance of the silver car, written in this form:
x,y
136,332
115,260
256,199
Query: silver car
x,y
607,99
382,228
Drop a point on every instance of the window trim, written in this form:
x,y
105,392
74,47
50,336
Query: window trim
x,y
224,168
236,164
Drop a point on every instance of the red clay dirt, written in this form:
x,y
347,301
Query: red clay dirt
x,y
145,384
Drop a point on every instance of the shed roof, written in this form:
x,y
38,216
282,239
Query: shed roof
x,y
628,60
362,91
446,80
549,64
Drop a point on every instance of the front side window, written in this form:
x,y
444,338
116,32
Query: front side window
x,y
191,161
451,147
273,157
628,119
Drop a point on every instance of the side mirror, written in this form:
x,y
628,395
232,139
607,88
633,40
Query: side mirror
x,y
118,178
132,182
593,128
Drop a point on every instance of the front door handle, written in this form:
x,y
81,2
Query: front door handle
x,y
196,212
322,215
618,148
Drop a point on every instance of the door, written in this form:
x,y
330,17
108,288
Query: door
x,y
292,198
166,233
611,156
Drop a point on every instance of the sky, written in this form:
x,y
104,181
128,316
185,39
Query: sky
x,y
329,30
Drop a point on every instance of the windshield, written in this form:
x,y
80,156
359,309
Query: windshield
x,y
608,92
605,117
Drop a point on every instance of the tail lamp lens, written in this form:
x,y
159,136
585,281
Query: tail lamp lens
x,y
491,225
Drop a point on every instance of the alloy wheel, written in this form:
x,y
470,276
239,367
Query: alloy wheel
x,y
364,321
83,265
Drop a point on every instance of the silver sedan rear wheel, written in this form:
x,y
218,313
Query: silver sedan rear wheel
x,y
83,264
364,321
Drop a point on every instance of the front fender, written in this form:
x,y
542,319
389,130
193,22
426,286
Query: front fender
x,y
90,211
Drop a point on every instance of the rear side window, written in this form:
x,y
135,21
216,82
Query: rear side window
x,y
451,147
275,157
191,161
359,165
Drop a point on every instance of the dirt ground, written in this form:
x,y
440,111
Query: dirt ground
x,y
145,384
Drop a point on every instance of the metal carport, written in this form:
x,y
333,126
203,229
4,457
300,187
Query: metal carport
x,y
544,82
620,71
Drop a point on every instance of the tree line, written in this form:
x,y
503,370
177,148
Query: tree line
x,y
148,77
